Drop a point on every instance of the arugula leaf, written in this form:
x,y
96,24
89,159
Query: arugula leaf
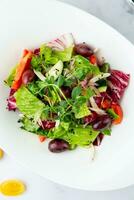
x,y
37,88
60,81
83,136
105,68
37,63
111,112
68,82
89,93
28,104
83,67
11,76
107,131
76,92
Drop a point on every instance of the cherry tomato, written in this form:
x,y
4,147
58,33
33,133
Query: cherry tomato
x,y
118,110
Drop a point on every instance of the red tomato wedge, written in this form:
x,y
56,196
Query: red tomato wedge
x,y
106,104
42,138
118,110
22,66
93,59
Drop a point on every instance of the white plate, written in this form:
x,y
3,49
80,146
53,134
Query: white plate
x,y
27,24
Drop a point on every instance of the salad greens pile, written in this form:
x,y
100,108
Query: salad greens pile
x,y
56,89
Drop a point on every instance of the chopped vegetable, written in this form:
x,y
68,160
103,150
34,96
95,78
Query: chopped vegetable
x,y
93,59
22,66
119,112
66,94
42,138
28,104
56,70
117,82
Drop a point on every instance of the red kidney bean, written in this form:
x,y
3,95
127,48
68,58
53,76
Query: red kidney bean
x,y
66,91
83,49
102,122
90,118
58,145
27,76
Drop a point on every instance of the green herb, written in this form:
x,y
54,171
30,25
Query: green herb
x,y
37,63
107,132
89,93
76,92
84,67
112,113
105,68
60,81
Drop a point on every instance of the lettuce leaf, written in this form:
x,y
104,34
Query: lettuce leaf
x,y
83,67
28,104
80,107
83,136
52,56
29,125
64,55
11,76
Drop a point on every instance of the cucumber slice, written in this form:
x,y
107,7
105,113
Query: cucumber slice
x,y
102,89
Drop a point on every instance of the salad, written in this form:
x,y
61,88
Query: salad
x,y
66,93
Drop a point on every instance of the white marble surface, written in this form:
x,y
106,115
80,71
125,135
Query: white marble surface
x,y
121,17
116,13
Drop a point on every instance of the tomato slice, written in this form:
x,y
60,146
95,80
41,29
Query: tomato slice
x,y
118,110
106,103
93,59
42,138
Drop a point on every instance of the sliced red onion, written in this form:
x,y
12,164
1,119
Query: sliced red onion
x,y
98,140
64,41
36,51
117,82
95,107
11,105
46,124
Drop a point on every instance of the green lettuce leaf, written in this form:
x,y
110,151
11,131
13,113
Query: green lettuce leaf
x,y
29,125
83,136
107,131
82,112
111,112
52,56
64,55
28,104
11,76
80,108
47,55
83,67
